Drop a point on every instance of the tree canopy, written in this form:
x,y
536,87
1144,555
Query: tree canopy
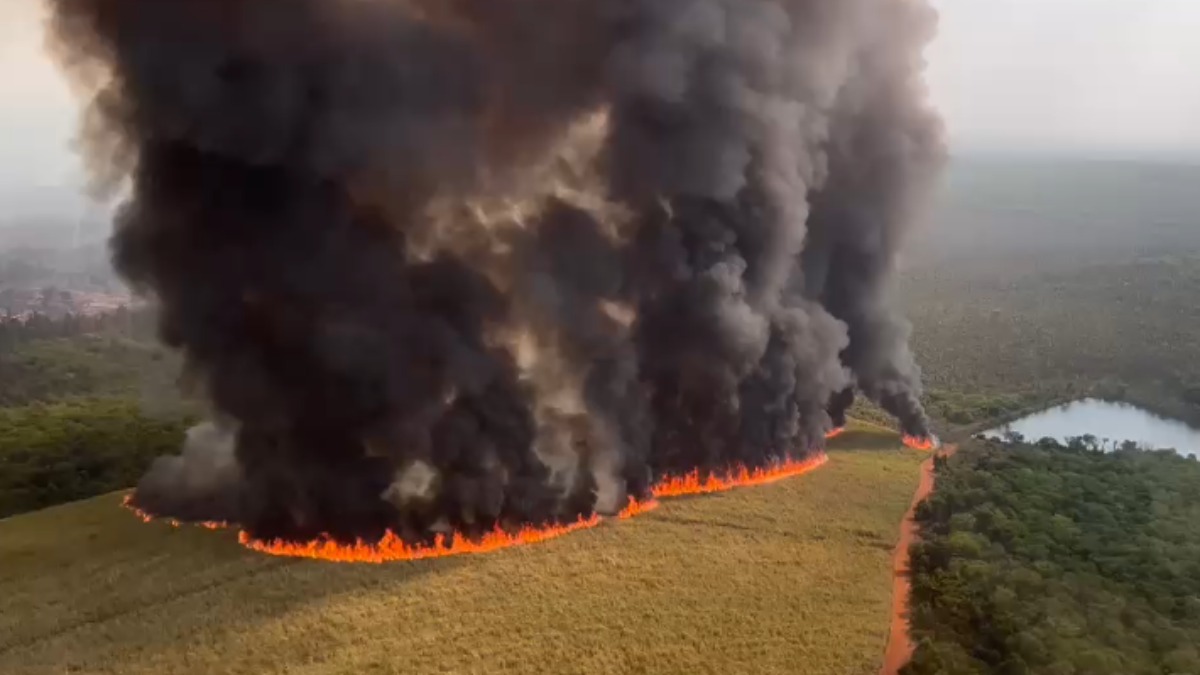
x,y
56,453
1058,560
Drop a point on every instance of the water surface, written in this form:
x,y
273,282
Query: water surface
x,y
1116,422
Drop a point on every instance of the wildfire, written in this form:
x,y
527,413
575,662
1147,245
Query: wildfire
x,y
834,433
127,502
392,548
693,484
926,444
637,508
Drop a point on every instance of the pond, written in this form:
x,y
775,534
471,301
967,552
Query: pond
x,y
1116,422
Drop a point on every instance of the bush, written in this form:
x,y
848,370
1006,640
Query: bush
x,y
56,453
1058,560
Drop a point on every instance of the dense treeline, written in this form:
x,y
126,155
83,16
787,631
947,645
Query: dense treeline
x,y
138,324
85,404
1058,560
50,454
1006,341
1038,281
45,359
88,366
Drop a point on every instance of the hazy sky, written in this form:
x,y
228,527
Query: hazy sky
x,y
1094,77
37,122
1099,77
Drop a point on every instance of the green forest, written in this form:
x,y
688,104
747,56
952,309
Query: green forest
x,y
1037,282
999,342
86,403
56,453
1058,560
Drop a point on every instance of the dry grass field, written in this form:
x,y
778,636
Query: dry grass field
x,y
793,577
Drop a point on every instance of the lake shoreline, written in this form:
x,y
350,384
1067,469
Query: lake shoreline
x,y
1109,422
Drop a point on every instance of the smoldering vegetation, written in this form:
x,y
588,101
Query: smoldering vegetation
x,y
446,264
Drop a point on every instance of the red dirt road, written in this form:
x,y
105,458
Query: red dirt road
x,y
900,646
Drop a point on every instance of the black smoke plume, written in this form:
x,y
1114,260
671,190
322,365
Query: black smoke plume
x,y
447,264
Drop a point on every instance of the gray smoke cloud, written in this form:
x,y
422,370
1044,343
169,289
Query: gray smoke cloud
x,y
199,479
460,263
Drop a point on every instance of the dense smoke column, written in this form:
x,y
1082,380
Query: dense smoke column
x,y
451,264
281,150
346,366
839,407
884,153
720,122
571,283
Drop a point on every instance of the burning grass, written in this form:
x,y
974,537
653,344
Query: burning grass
x,y
792,577
146,517
392,548
927,444
694,484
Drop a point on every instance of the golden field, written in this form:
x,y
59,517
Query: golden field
x,y
793,577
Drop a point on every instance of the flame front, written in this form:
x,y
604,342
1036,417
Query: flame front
x,y
637,508
392,548
926,444
127,502
693,484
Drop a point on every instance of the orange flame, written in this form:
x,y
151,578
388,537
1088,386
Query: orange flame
x,y
692,484
127,502
637,508
393,548
926,444
834,433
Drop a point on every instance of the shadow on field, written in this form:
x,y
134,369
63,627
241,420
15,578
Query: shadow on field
x,y
115,568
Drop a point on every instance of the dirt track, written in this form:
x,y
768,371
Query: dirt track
x,y
900,646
